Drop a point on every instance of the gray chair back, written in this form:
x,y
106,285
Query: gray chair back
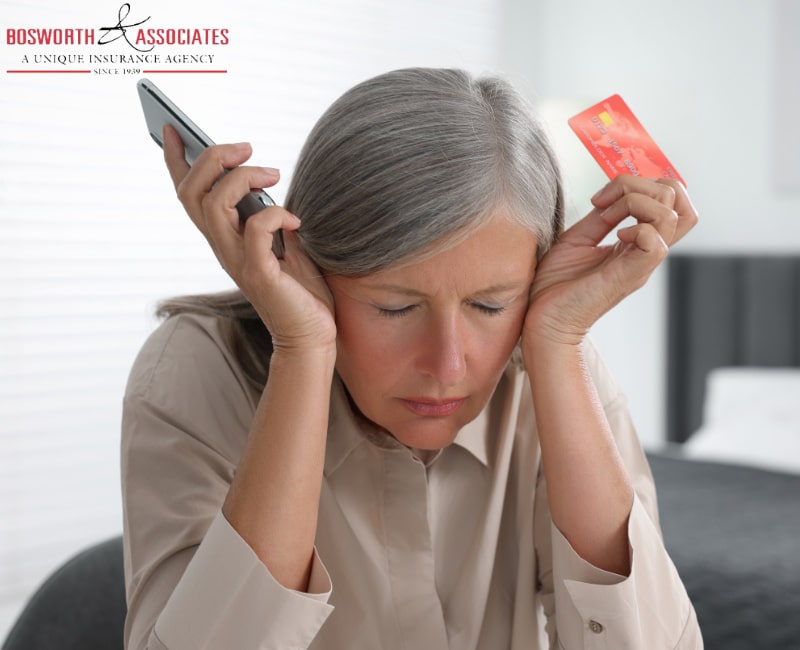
x,y
81,606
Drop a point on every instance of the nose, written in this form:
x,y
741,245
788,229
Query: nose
x,y
442,351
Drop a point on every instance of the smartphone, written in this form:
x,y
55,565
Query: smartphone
x,y
160,110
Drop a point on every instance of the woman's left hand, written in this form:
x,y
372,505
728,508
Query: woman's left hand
x,y
578,280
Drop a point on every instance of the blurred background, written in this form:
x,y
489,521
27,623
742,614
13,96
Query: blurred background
x,y
91,235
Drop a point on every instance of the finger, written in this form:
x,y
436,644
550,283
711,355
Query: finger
x,y
174,154
219,220
219,204
301,267
295,262
594,227
588,231
687,213
206,171
642,250
629,184
250,251
259,231
645,238
644,209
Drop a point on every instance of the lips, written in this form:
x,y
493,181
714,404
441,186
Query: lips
x,y
427,407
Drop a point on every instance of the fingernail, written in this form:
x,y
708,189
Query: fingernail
x,y
272,171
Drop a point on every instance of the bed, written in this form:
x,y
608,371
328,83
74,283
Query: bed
x,y
729,480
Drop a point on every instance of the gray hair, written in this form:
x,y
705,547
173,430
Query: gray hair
x,y
413,160
400,167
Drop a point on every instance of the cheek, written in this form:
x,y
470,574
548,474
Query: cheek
x,y
368,353
496,345
495,350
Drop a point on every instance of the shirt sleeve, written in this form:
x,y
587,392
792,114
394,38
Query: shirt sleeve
x,y
228,599
191,580
589,608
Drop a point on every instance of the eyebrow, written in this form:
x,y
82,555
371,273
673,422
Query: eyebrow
x,y
406,291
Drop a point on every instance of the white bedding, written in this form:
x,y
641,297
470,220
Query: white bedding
x,y
751,416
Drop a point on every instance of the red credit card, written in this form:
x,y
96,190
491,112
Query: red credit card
x,y
619,143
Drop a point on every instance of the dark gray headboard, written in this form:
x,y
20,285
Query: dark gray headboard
x,y
726,310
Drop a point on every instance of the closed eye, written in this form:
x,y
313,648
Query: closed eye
x,y
399,312
491,310
395,312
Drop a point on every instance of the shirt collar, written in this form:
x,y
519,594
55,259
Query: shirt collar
x,y
474,437
346,430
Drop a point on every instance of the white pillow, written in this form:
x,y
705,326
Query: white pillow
x,y
751,416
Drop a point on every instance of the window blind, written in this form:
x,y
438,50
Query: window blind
x,y
91,235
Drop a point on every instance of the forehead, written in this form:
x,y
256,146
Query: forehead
x,y
500,253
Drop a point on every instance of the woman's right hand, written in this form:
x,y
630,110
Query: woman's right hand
x,y
273,499
290,295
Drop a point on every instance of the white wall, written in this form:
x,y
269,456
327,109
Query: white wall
x,y
701,77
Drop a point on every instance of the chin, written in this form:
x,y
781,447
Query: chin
x,y
428,435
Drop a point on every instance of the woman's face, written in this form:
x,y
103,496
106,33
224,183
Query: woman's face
x,y
421,348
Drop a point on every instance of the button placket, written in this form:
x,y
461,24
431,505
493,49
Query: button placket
x,y
409,553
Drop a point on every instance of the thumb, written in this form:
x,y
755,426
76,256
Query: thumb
x,y
174,154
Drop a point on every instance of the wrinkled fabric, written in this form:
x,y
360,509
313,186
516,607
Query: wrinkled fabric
x,y
458,553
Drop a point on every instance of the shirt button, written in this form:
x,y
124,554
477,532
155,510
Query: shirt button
x,y
595,627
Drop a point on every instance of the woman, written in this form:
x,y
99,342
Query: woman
x,y
398,436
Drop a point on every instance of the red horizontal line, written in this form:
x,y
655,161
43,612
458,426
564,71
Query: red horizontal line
x,y
47,71
184,71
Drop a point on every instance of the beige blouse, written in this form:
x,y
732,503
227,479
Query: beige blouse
x,y
458,554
